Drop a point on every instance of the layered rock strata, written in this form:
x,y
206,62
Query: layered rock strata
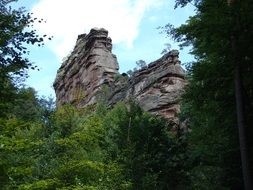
x,y
92,70
90,65
157,87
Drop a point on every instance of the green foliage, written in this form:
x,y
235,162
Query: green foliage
x,y
103,94
123,148
27,106
15,33
209,101
121,78
66,156
152,155
141,64
130,73
166,49
40,185
20,142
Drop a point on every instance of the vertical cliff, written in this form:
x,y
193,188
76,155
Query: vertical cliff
x,y
91,66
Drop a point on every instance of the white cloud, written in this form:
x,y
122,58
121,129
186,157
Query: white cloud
x,y
66,19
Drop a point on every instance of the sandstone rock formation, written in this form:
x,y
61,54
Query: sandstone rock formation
x,y
91,67
157,88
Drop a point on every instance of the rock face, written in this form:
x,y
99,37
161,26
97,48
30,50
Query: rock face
x,y
156,87
92,70
90,65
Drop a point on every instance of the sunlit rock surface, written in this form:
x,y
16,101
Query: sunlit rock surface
x,y
90,65
91,73
157,88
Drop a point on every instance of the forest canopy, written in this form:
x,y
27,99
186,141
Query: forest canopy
x,y
124,147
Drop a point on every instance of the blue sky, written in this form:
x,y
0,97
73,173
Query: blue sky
x,y
132,25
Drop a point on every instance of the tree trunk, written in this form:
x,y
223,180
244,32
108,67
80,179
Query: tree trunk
x,y
240,110
242,131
